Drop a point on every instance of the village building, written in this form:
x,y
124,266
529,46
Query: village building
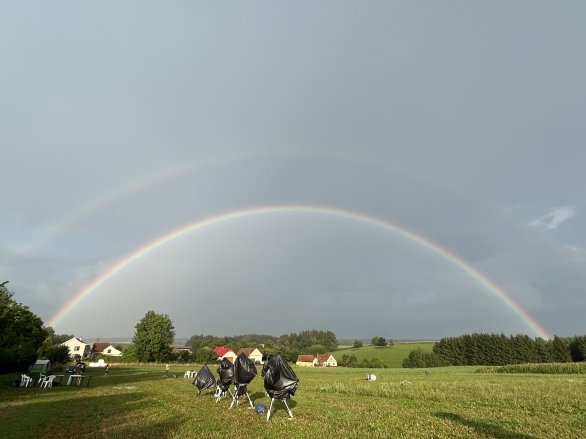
x,y
253,353
76,346
306,361
227,353
105,349
327,360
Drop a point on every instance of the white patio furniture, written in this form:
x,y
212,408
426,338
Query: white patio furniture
x,y
26,381
48,381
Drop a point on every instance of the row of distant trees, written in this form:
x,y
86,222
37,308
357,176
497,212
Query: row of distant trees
x,y
289,345
498,350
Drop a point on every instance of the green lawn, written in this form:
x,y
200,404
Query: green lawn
x,y
453,402
392,356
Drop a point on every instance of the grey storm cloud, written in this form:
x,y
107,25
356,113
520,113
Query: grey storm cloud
x,y
460,123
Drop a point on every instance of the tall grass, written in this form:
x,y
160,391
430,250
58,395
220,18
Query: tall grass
x,y
541,368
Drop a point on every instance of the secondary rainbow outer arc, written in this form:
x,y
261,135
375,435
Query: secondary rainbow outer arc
x,y
296,209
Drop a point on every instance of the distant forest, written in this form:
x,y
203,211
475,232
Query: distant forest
x,y
499,350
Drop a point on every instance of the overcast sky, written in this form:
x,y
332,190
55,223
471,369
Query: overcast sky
x,y
462,122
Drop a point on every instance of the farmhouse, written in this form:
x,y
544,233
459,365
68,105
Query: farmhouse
x,y
227,353
306,361
77,347
253,353
105,349
327,360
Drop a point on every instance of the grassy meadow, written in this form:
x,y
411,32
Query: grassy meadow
x,y
392,356
452,402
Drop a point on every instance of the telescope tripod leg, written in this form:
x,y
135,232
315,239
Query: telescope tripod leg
x,y
288,409
270,407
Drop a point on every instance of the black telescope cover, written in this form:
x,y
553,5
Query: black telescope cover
x,y
204,379
226,372
280,380
244,369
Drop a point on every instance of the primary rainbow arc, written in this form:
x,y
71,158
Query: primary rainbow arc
x,y
427,243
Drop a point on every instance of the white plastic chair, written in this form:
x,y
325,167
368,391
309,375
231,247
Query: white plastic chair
x,y
48,381
26,381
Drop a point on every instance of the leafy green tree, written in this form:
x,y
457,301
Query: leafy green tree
x,y
316,349
419,358
153,337
57,354
204,355
185,356
130,354
379,341
357,344
21,334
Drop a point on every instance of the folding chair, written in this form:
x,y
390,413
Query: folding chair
x,y
280,382
226,372
244,372
204,379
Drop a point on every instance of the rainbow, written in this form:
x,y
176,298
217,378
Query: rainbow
x,y
296,209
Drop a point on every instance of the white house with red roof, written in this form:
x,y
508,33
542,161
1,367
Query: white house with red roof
x,y
306,361
227,353
253,353
105,349
327,360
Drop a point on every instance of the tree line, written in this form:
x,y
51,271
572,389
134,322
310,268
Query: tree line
x,y
291,345
498,350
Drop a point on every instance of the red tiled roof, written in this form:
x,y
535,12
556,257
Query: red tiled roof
x,y
221,351
100,347
306,358
323,357
246,351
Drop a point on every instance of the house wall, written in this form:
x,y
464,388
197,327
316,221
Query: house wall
x,y
230,355
306,364
111,351
77,347
331,362
256,356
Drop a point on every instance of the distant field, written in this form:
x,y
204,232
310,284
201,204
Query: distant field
x,y
392,356
451,402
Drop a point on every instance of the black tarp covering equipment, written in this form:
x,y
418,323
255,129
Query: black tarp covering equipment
x,y
280,382
244,373
204,379
244,369
226,372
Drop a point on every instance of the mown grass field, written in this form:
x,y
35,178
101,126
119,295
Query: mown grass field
x,y
392,356
453,402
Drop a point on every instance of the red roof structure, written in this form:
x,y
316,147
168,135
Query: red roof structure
x,y
98,348
246,351
220,351
306,358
